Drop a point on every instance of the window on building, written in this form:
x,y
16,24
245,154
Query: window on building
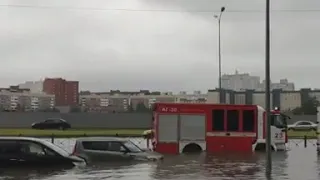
x,y
218,120
248,120
233,120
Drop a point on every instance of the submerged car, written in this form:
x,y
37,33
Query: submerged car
x,y
52,123
27,152
111,149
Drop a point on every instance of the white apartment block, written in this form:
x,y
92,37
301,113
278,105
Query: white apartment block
x,y
244,81
239,82
196,97
34,86
289,100
121,102
284,84
26,100
286,100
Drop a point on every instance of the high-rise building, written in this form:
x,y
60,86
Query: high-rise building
x,y
239,82
66,92
284,85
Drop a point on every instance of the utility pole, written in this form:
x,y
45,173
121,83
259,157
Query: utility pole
x,y
219,51
267,92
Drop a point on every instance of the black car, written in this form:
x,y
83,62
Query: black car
x,y
27,152
52,124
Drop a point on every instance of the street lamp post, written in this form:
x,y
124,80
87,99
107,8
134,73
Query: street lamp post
x,y
221,100
267,91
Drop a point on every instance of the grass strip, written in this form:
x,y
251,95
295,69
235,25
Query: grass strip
x,y
111,132
72,132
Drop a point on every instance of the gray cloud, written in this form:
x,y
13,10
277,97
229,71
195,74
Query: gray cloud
x,y
107,49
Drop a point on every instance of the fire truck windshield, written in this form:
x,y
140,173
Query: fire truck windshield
x,y
278,121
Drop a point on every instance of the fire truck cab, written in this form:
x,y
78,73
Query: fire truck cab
x,y
180,128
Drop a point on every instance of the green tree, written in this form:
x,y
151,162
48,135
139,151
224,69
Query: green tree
x,y
142,108
309,107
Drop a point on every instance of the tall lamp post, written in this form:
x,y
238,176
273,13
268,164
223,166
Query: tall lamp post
x,y
267,92
221,100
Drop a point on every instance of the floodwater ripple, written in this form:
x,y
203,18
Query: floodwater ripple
x,y
296,164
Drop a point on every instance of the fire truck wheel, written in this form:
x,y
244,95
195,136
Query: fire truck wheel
x,y
192,148
261,147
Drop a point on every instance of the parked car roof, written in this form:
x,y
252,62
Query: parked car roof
x,y
102,139
56,119
20,138
42,141
304,121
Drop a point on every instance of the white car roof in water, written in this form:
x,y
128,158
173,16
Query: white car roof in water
x,y
102,139
21,138
54,147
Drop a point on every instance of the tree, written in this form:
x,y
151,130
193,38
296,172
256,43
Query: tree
x,y
142,108
308,108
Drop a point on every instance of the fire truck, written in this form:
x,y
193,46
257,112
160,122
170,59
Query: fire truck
x,y
180,128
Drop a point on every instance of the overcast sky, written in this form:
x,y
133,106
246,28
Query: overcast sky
x,y
168,45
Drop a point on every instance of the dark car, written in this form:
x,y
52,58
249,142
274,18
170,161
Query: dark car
x,y
27,152
108,149
52,124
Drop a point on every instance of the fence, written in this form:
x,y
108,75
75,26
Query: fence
x,y
95,120
80,120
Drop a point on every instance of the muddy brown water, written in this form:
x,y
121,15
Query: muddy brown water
x,y
296,164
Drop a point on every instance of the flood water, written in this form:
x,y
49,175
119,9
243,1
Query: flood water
x,y
297,164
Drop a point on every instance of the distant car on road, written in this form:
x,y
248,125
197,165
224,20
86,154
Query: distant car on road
x,y
108,149
52,123
303,125
27,152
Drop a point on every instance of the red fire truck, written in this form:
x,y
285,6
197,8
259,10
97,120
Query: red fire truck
x,y
182,128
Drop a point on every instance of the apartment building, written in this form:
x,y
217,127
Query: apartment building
x,y
283,84
245,81
149,100
285,100
239,81
66,92
122,101
196,97
104,103
25,101
119,103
